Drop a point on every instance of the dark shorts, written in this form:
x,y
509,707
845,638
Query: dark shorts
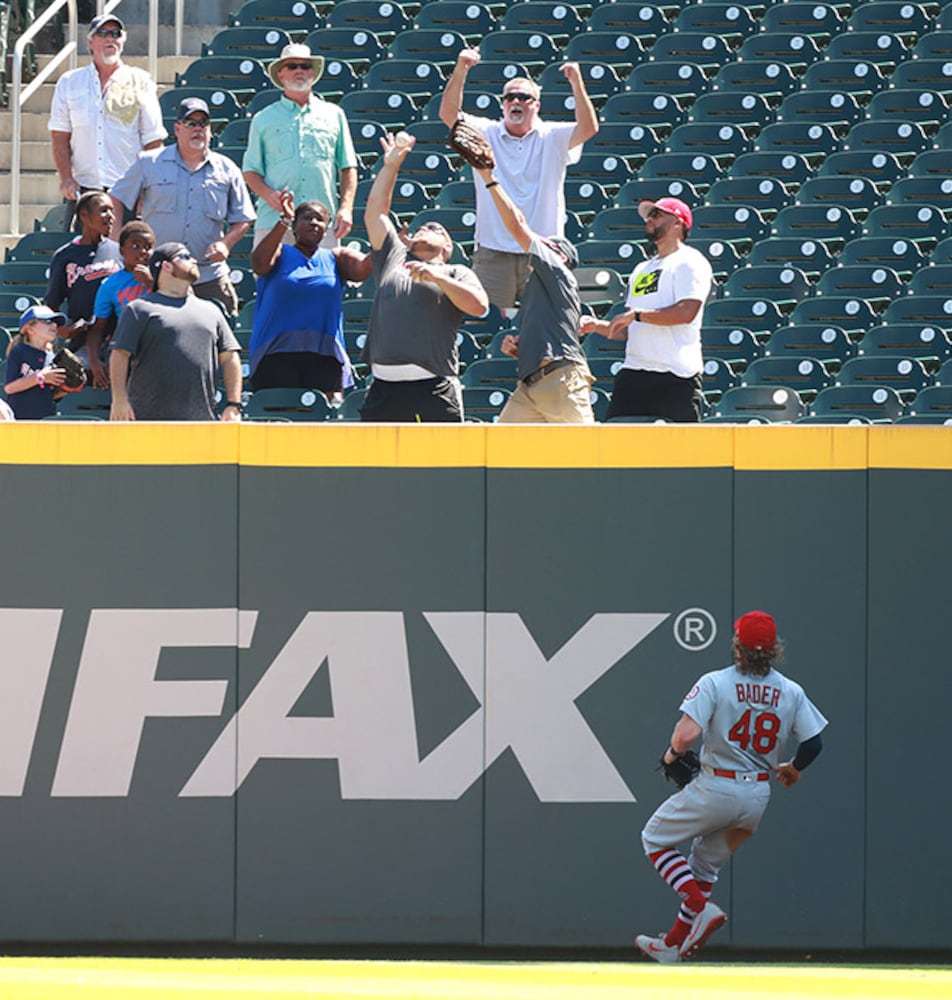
x,y
298,370
656,394
429,400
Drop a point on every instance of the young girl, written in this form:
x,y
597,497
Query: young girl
x,y
31,378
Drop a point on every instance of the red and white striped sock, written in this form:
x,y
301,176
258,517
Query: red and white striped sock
x,y
673,868
685,918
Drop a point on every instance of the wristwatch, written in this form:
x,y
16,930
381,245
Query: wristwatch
x,y
233,403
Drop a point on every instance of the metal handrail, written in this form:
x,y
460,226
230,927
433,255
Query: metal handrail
x,y
20,95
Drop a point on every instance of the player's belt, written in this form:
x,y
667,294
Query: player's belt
x,y
552,366
742,775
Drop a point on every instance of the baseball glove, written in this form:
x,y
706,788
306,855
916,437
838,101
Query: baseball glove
x,y
471,145
683,770
75,373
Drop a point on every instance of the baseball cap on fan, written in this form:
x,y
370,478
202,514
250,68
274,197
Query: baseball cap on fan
x,y
674,206
164,251
97,22
561,245
756,630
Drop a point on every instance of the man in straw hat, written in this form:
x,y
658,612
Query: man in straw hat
x,y
301,143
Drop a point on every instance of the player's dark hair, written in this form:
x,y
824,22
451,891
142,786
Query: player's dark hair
x,y
757,662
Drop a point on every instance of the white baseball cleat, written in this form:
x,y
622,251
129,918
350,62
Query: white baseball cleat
x,y
654,947
710,919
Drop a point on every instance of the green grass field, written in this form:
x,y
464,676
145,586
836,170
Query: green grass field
x,y
31,978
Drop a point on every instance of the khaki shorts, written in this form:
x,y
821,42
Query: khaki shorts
x,y
502,274
564,397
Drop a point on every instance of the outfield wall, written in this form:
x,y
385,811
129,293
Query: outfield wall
x,y
393,685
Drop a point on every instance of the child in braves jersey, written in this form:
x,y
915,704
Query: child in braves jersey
x,y
31,379
745,713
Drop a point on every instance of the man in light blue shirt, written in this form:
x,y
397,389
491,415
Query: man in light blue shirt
x,y
302,144
193,196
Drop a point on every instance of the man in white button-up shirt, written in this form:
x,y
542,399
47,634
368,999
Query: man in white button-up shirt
x,y
102,116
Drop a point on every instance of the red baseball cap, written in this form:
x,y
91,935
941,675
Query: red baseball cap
x,y
756,630
674,206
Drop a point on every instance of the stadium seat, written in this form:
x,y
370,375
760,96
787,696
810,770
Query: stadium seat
x,y
892,17
596,347
924,74
760,316
925,224
740,225
820,21
717,376
903,256
811,256
773,79
932,163
491,75
491,372
881,48
934,45
633,141
456,194
878,404
903,139
859,195
924,190
439,46
945,374
829,223
609,170
28,277
928,108
853,315
393,110
795,50
560,21
641,189
484,404
357,45
735,345
723,257
929,344
600,288
722,141
384,19
620,254
791,169
876,283
776,404
292,16
904,375
656,111
932,310
934,279
699,169
475,102
90,403
748,112
829,344
882,168
351,407
933,401
282,405
613,48
414,78
811,140
942,254
409,199
604,368
704,49
731,21
223,105
470,19
262,42
784,284
765,194
37,246
680,80
806,375
242,75
837,108
860,77
645,21
834,418
534,49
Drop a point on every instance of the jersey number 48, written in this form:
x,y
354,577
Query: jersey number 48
x,y
763,738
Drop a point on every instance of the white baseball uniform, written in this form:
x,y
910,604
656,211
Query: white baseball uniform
x,y
746,722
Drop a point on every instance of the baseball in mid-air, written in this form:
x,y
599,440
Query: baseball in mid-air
x,y
402,139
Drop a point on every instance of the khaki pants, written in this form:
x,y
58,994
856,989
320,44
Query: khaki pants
x,y
564,397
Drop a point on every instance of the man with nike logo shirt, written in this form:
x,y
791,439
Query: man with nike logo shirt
x,y
661,376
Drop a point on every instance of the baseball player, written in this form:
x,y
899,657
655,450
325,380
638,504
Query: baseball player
x,y
746,713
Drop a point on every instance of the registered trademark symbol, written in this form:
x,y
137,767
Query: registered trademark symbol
x,y
695,629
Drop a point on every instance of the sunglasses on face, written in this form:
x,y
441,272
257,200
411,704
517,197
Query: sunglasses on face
x,y
184,255
109,33
517,95
655,213
197,123
300,65
434,227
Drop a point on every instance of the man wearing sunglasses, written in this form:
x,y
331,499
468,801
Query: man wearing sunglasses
x,y
531,159
302,144
170,346
101,117
194,196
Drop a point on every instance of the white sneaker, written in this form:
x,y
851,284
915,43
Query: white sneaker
x,y
654,947
710,919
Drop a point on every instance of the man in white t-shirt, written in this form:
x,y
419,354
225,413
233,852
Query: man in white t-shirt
x,y
661,376
531,159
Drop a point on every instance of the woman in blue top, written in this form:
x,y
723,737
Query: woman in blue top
x,y
297,339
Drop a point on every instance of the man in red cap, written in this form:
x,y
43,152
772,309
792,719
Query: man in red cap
x,y
661,376
745,713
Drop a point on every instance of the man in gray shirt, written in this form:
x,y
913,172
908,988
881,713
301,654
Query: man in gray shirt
x,y
193,196
555,383
419,304
174,343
